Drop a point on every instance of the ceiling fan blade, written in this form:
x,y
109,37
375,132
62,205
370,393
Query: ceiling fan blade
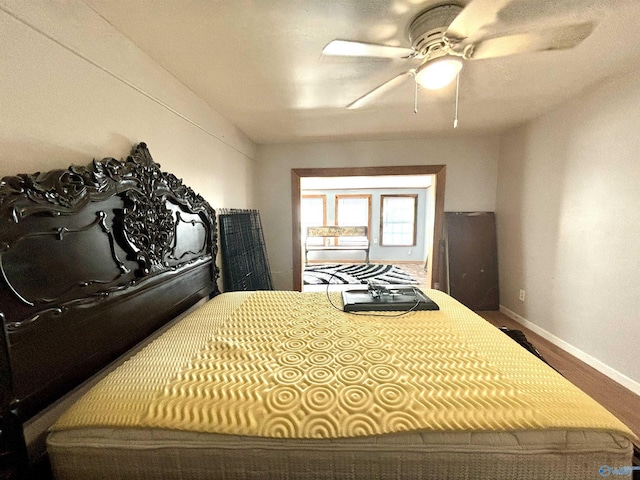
x,y
381,89
557,38
347,48
475,16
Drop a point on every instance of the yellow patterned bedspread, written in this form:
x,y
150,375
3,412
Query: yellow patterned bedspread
x,y
288,364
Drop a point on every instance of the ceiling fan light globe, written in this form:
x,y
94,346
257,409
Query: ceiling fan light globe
x,y
438,73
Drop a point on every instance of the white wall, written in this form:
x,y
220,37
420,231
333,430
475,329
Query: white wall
x,y
73,88
568,214
470,186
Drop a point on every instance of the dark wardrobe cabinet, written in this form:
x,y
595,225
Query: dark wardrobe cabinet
x,y
471,259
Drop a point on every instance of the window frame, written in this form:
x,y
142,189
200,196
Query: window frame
x,y
415,219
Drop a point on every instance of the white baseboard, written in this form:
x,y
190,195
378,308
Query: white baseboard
x,y
613,374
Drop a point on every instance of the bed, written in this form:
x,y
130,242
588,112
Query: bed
x,y
249,385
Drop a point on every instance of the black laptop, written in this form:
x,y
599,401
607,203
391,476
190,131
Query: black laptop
x,y
387,299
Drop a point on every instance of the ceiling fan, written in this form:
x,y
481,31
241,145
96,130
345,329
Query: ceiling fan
x,y
445,36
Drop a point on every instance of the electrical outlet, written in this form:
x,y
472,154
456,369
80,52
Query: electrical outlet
x,y
521,296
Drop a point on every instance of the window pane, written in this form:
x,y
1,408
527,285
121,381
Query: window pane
x,y
312,214
352,211
398,220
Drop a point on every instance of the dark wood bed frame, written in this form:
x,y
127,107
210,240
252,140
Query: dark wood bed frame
x,y
92,261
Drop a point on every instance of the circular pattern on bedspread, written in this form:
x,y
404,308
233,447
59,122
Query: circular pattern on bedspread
x,y
319,374
351,374
289,375
283,398
285,364
308,372
316,398
356,398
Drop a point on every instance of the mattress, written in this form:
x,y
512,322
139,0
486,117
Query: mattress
x,y
285,385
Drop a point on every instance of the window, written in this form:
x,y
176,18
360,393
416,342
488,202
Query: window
x,y
313,213
353,211
398,215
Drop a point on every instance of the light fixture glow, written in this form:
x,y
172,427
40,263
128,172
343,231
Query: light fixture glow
x,y
438,73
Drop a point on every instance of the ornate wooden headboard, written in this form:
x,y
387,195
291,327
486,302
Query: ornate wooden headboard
x,y
92,260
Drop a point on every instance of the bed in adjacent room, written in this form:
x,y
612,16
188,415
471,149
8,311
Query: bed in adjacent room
x,y
268,384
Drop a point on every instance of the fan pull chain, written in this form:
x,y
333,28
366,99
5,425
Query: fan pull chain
x,y
455,120
415,94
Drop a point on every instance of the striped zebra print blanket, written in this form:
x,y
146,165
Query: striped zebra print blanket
x,y
356,274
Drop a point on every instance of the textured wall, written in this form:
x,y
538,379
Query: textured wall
x,y
73,88
471,178
568,213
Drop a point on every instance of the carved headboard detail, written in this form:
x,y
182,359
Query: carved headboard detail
x,y
144,230
92,260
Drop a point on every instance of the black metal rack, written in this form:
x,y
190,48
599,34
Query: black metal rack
x,y
245,265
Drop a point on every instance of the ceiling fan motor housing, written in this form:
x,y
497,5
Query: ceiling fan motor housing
x,y
426,32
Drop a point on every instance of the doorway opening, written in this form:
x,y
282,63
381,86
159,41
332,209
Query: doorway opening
x,y
438,176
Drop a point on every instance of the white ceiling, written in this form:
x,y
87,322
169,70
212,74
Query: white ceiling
x,y
379,181
259,63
